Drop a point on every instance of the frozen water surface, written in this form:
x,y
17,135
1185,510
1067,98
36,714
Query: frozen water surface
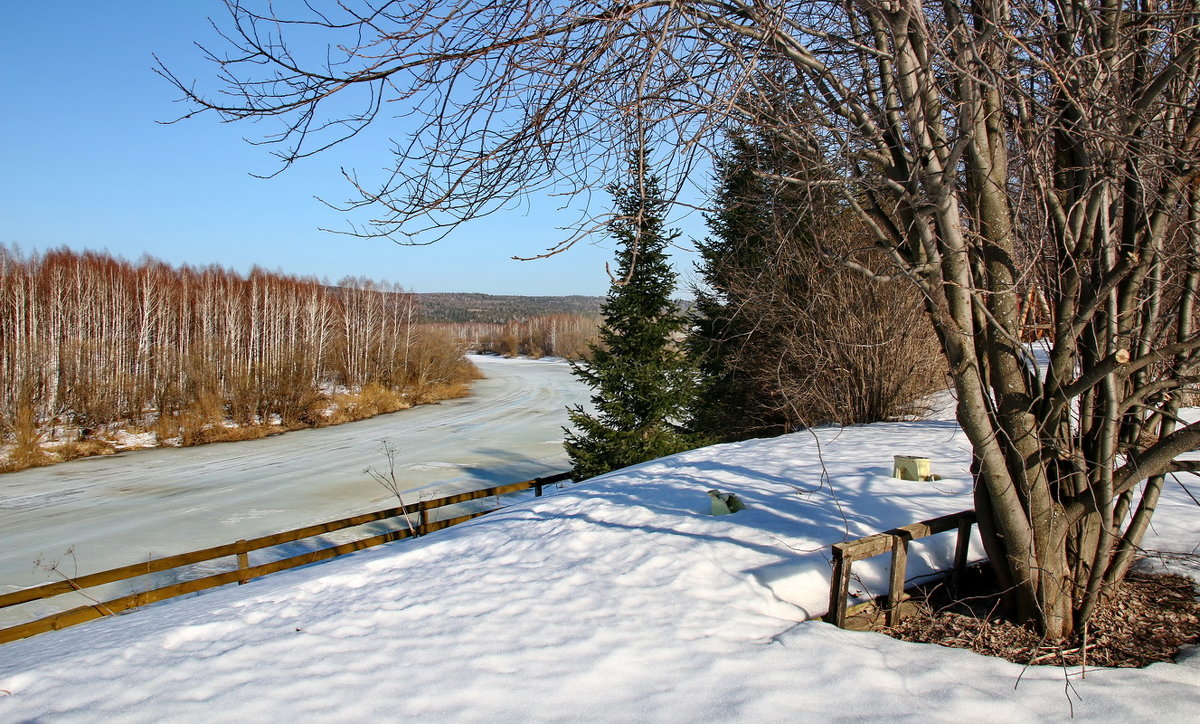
x,y
125,508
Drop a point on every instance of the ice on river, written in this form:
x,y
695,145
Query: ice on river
x,y
121,509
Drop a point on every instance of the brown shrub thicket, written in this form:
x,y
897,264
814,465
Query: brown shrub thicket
x,y
199,355
829,345
807,340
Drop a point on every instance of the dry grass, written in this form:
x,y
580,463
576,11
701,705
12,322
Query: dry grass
x,y
222,433
24,456
207,420
371,400
26,450
87,448
437,393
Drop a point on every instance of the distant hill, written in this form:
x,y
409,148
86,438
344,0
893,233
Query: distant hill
x,y
469,307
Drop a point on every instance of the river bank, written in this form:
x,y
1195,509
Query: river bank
x,y
207,421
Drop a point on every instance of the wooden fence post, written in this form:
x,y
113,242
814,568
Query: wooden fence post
x,y
243,560
840,586
961,547
896,579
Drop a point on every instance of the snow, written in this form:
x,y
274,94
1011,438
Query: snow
x,y
619,599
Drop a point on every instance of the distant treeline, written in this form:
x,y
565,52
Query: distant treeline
x,y
552,335
88,340
466,308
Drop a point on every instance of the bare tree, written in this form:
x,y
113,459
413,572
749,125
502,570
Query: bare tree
x,y
987,144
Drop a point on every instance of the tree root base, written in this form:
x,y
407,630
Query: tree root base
x,y
1149,619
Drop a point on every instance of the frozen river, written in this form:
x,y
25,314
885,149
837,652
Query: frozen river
x,y
125,508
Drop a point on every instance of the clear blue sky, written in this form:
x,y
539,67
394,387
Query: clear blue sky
x,y
84,164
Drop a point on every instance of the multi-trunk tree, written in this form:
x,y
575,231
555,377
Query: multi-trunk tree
x,y
642,382
986,145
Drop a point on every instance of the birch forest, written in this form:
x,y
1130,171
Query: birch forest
x,y
88,341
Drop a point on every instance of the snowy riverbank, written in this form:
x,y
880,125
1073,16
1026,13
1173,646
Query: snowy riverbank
x,y
619,600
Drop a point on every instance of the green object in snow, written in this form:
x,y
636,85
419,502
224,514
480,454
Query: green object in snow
x,y
725,503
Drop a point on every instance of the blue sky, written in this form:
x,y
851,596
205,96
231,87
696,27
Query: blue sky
x,y
85,164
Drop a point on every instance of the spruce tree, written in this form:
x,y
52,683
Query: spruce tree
x,y
641,380
726,400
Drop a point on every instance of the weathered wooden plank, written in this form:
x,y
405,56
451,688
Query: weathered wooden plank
x,y
116,574
50,623
475,495
157,565
296,534
872,545
880,543
57,621
165,563
933,526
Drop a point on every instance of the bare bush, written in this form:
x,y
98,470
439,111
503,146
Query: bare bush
x,y
828,346
558,335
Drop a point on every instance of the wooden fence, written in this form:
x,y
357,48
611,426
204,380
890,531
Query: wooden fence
x,y
895,541
244,571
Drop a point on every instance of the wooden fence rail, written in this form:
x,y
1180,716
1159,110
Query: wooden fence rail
x,y
896,542
241,550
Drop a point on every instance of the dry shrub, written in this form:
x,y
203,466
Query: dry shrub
x,y
166,427
373,399
237,433
244,398
822,343
26,451
436,360
318,413
203,420
83,448
555,335
289,393
447,391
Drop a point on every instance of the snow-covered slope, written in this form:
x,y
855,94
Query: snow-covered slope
x,y
619,599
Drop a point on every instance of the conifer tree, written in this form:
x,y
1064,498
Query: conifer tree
x,y
739,228
641,380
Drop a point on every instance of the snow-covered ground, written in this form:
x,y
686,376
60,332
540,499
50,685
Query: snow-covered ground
x,y
619,599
